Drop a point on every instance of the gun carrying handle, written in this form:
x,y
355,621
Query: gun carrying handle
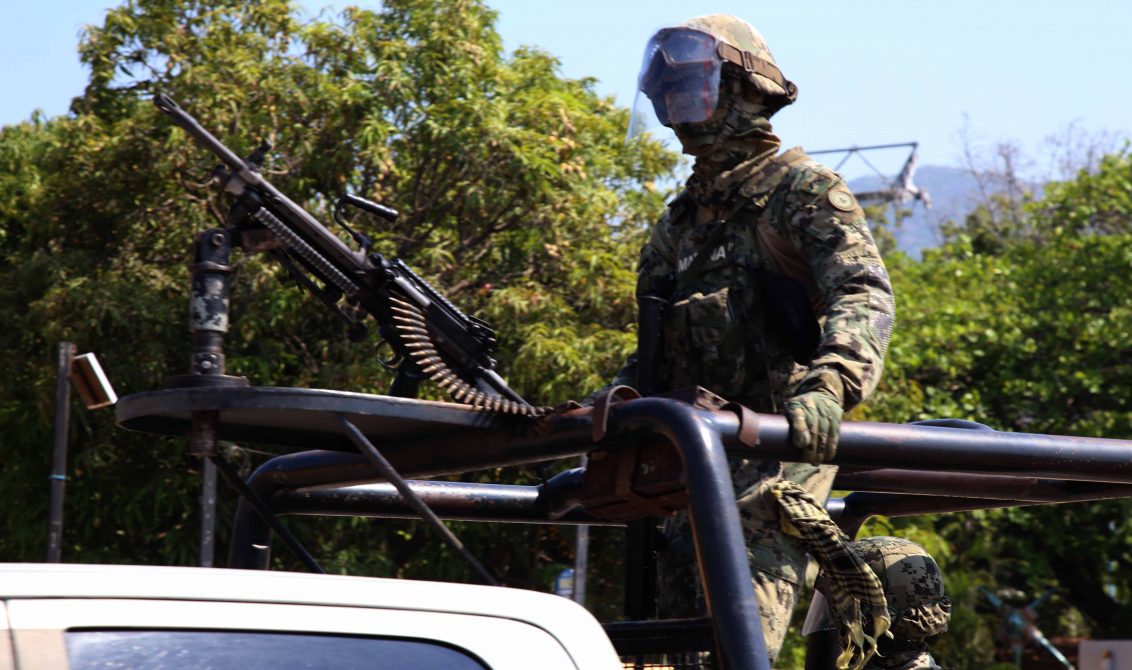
x,y
377,209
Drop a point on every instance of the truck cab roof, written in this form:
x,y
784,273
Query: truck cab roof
x,y
68,616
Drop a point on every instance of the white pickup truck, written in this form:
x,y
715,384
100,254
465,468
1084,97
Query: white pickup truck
x,y
54,617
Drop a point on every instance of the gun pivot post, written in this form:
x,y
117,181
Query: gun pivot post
x,y
208,312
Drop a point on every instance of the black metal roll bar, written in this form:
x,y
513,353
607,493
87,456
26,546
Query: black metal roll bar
x,y
895,470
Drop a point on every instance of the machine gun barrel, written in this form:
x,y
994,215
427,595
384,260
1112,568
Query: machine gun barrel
x,y
428,333
326,241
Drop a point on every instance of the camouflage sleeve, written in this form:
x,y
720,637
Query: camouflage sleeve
x,y
825,221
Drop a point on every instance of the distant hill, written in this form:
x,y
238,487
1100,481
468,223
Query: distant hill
x,y
953,193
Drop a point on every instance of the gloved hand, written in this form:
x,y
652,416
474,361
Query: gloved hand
x,y
815,424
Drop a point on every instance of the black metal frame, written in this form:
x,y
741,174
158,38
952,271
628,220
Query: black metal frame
x,y
358,450
896,470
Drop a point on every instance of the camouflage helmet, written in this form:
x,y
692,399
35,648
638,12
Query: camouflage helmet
x,y
758,64
913,585
679,83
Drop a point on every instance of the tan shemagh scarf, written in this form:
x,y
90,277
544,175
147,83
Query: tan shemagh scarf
x,y
856,597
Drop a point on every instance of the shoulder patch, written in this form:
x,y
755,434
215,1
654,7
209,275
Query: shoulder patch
x,y
842,200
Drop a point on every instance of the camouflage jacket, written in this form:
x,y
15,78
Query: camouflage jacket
x,y
724,328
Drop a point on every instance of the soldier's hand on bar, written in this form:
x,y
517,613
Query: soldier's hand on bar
x,y
815,424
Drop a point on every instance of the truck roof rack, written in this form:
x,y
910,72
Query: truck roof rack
x,y
894,470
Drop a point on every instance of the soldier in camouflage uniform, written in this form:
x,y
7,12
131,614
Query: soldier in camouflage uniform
x,y
778,298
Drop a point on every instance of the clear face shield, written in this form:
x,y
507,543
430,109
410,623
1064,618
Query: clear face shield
x,y
679,80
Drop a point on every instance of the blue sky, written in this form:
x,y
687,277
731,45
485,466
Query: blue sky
x,y
874,72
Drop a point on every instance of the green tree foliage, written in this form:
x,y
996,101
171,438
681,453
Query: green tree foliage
x,y
1097,201
1026,329
518,199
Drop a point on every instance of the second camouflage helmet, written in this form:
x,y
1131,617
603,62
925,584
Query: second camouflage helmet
x,y
913,585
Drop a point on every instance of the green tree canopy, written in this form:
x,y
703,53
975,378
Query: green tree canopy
x,y
518,197
1030,333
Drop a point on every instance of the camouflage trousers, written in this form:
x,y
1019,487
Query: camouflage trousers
x,y
778,561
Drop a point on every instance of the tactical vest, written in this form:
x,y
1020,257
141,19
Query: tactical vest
x,y
741,319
